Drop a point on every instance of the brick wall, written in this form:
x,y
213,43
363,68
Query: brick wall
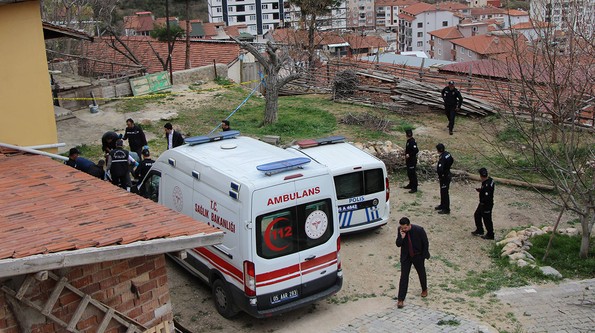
x,y
136,287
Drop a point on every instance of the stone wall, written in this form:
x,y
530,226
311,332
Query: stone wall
x,y
135,287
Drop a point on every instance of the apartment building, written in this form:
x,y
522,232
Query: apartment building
x,y
417,20
387,12
578,15
441,43
336,18
259,16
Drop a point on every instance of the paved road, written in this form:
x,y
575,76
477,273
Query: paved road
x,y
566,307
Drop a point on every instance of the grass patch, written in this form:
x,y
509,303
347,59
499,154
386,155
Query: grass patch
x,y
137,104
448,322
563,255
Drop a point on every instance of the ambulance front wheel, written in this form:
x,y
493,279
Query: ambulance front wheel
x,y
223,299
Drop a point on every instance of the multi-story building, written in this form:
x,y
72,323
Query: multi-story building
x,y
441,42
416,21
258,15
336,18
360,14
565,14
387,12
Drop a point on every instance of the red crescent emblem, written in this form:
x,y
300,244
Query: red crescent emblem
x,y
267,235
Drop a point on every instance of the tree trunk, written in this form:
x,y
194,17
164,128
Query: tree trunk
x,y
187,64
271,100
586,234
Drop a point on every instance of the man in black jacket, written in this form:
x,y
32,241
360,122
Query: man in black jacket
x,y
135,136
445,161
415,249
452,103
484,209
144,166
411,151
117,164
174,138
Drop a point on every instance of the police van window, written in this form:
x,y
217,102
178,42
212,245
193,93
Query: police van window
x,y
374,180
284,231
150,187
349,185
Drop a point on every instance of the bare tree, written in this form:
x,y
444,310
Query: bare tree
x,y
275,64
548,86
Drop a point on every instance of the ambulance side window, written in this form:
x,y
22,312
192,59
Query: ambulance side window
x,y
150,187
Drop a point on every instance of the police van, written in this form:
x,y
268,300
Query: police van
x,y
361,181
281,245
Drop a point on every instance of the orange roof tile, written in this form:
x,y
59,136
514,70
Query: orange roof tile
x,y
365,42
48,207
201,53
516,12
530,25
486,11
406,17
486,44
139,23
447,33
395,3
419,8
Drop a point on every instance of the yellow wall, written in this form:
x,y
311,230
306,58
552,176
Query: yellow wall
x,y
26,108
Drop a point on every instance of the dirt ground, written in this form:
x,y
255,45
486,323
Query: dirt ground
x,y
370,260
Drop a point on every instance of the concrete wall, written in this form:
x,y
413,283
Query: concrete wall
x,y
205,73
26,106
135,287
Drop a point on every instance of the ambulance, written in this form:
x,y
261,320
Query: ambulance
x,y
361,181
281,245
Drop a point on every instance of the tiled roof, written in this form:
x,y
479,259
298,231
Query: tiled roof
x,y
48,207
419,8
486,44
406,17
451,5
138,23
201,53
395,3
365,42
530,25
56,31
487,11
447,33
516,12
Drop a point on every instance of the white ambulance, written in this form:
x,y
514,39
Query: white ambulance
x,y
361,181
281,245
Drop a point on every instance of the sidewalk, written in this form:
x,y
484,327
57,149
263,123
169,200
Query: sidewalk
x,y
565,307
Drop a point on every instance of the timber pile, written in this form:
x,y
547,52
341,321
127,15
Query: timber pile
x,y
423,93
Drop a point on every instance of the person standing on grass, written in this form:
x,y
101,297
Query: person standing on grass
x,y
445,161
411,151
135,136
415,249
453,100
484,209
174,138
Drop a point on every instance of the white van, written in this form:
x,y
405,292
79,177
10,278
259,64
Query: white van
x,y
281,245
361,181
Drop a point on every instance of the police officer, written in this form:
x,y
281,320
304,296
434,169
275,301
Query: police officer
x,y
117,164
445,161
145,165
484,209
135,136
452,103
411,151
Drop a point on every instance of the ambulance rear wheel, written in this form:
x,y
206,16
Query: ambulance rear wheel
x,y
223,299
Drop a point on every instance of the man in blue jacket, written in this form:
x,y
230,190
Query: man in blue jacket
x,y
415,249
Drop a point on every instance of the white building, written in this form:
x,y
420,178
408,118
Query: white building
x,y
416,21
564,14
258,15
336,19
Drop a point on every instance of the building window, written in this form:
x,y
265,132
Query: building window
x,y
439,52
217,9
445,23
469,52
420,44
251,7
275,16
265,6
265,16
241,8
252,17
241,18
420,34
420,25
230,9
275,5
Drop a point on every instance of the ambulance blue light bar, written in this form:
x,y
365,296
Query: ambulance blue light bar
x,y
196,140
307,143
282,165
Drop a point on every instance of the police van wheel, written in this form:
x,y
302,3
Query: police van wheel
x,y
223,299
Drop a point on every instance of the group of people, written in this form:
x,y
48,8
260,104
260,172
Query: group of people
x,y
412,239
119,164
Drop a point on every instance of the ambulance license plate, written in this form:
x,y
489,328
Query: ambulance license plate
x,y
284,296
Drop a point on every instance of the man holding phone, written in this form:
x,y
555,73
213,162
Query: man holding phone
x,y
413,241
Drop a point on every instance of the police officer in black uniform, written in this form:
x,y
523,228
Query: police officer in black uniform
x,y
118,165
145,165
445,161
484,209
411,151
452,103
